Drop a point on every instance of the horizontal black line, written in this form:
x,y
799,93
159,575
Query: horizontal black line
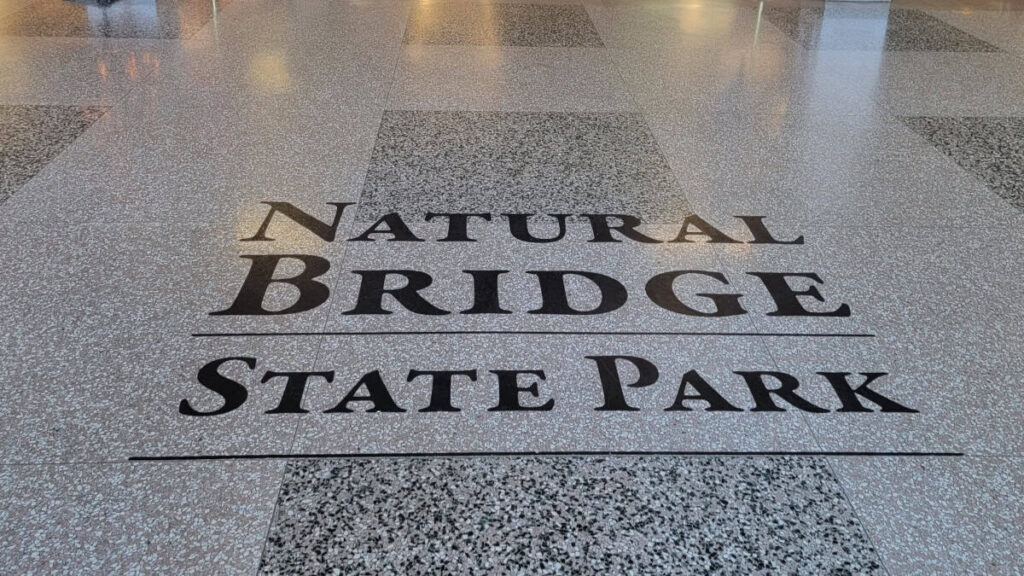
x,y
541,453
529,333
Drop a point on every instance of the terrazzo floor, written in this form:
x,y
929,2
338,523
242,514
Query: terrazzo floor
x,y
511,287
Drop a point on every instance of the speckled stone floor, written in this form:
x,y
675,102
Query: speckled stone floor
x,y
511,287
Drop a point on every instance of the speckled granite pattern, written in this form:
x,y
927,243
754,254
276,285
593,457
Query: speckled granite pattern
x,y
905,30
127,19
990,148
31,136
518,162
501,25
565,515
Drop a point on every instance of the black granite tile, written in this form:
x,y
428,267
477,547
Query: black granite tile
x,y
991,148
123,19
565,515
501,25
859,27
31,136
519,162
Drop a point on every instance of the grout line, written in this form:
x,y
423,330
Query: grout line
x,y
853,507
528,333
689,453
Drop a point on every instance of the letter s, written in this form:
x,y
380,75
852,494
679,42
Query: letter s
x,y
234,393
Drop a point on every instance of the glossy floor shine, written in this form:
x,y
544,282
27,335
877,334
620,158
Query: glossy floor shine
x,y
524,287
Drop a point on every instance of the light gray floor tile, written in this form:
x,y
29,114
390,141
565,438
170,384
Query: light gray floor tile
x,y
504,78
750,79
32,136
939,515
682,25
166,518
309,28
953,84
844,171
128,19
501,25
949,345
79,71
96,342
189,155
1004,29
513,161
990,148
554,515
872,26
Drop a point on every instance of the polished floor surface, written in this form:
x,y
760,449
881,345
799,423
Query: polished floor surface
x,y
511,287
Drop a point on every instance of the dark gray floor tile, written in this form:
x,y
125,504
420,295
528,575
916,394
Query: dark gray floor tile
x,y
123,19
873,27
501,25
990,148
565,515
31,136
518,162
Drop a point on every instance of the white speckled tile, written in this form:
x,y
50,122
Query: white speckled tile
x,y
565,515
947,334
307,27
746,78
165,518
823,170
76,70
96,342
939,515
507,78
203,156
682,25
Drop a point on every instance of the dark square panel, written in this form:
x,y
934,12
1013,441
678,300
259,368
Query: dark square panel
x,y
429,161
872,27
500,25
990,148
565,515
31,136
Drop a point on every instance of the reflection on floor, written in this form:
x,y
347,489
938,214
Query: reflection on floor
x,y
520,286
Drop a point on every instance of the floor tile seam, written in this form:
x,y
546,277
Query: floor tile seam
x,y
5,216
285,470
348,228
868,533
399,54
118,100
842,489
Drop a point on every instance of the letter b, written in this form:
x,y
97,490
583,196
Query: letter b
x,y
312,293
